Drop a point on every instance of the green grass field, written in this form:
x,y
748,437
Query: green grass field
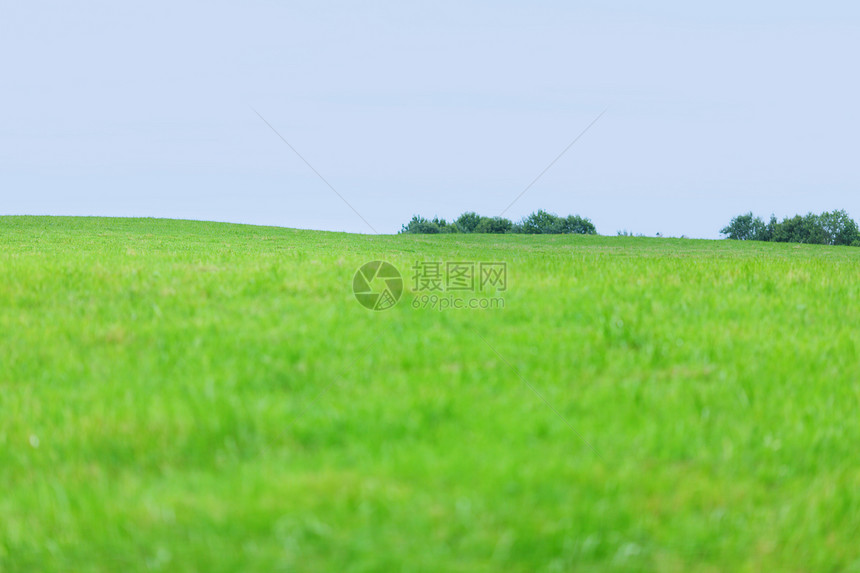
x,y
190,396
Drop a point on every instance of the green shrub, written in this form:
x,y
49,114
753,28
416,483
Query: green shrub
x,y
419,224
829,228
467,222
494,225
540,222
745,227
840,228
574,224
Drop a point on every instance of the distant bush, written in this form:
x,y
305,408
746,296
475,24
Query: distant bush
x,y
540,222
421,225
543,222
578,226
833,228
494,225
467,222
840,229
745,227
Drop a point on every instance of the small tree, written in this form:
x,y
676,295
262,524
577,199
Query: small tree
x,y
769,229
467,222
745,227
419,224
494,225
578,225
806,229
840,228
789,230
813,230
444,226
542,222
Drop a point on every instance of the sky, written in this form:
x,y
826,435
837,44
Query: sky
x,y
150,109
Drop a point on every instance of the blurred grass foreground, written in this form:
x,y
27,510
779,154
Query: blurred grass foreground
x,y
190,396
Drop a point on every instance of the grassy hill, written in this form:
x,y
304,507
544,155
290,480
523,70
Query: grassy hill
x,y
190,396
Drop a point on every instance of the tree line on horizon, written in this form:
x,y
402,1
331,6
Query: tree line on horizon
x,y
828,228
539,222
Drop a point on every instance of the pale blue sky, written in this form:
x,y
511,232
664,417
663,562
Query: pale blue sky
x,y
145,109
